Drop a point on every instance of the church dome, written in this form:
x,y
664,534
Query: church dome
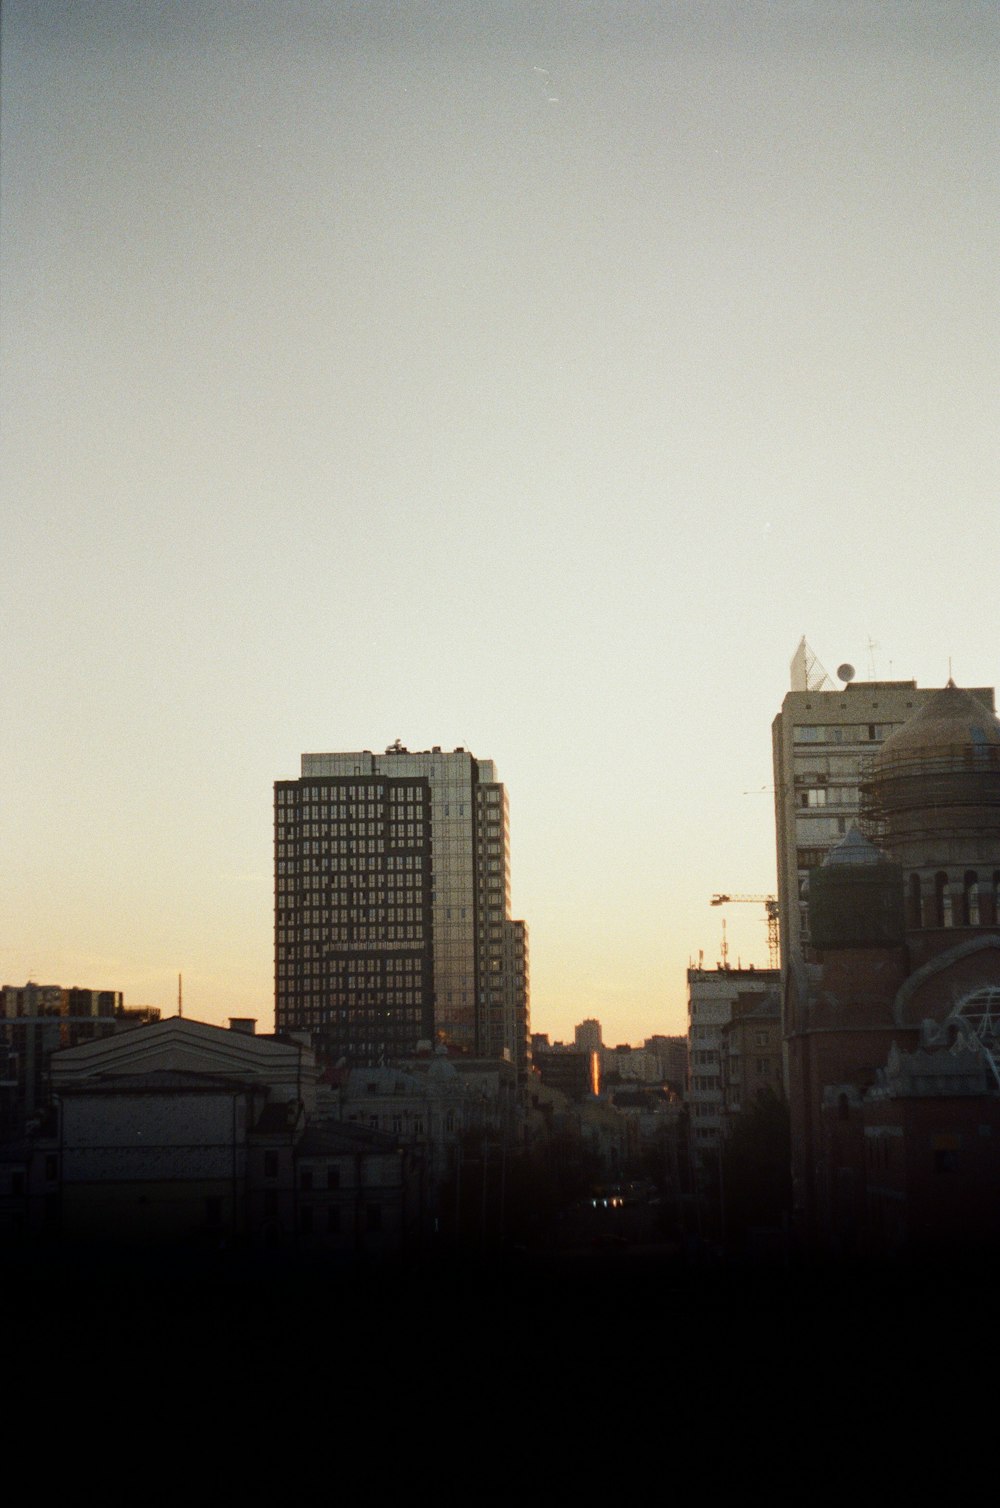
x,y
954,723
856,897
854,848
932,799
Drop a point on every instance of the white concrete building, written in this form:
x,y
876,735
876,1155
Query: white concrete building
x,y
712,996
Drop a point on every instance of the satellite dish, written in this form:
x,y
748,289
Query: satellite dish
x,y
845,673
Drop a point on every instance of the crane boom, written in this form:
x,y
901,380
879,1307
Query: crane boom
x,y
770,904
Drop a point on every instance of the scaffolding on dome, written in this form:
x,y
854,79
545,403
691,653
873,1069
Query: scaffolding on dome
x,y
909,793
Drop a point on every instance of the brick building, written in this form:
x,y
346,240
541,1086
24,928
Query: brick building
x,y
890,1027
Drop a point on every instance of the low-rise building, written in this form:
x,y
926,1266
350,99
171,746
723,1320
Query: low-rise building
x,y
751,1052
185,1133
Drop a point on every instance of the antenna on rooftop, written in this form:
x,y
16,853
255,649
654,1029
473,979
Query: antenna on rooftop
x,y
180,995
872,646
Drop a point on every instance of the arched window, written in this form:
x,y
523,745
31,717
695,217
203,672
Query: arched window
x,y
970,899
942,900
914,916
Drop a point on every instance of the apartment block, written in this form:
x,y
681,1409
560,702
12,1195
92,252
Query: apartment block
x,y
392,907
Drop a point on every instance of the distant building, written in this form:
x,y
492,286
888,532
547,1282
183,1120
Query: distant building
x,y
392,908
576,1074
630,1065
712,1000
751,1052
587,1036
824,741
37,1020
672,1055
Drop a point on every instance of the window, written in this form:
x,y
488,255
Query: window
x,y
306,1178
914,909
270,1164
942,900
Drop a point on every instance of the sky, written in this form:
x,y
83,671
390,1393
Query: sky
x,y
526,377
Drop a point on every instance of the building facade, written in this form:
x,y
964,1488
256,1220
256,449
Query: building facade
x,y
185,1133
824,742
587,1036
713,997
392,907
37,1020
894,1082
751,1052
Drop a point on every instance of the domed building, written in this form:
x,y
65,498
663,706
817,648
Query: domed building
x,y
933,801
892,1056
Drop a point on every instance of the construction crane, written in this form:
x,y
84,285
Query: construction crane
x,y
770,904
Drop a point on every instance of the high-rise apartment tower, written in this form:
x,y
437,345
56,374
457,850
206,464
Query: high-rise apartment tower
x,y
392,907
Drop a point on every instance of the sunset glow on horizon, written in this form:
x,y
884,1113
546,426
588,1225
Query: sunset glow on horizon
x,y
525,378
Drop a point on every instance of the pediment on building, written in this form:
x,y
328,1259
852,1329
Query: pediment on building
x,y
178,1046
934,991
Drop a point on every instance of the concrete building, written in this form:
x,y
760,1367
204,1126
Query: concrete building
x,y
435,1108
751,1052
712,999
37,1020
182,1132
576,1074
824,741
587,1036
153,1128
392,907
672,1053
630,1065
